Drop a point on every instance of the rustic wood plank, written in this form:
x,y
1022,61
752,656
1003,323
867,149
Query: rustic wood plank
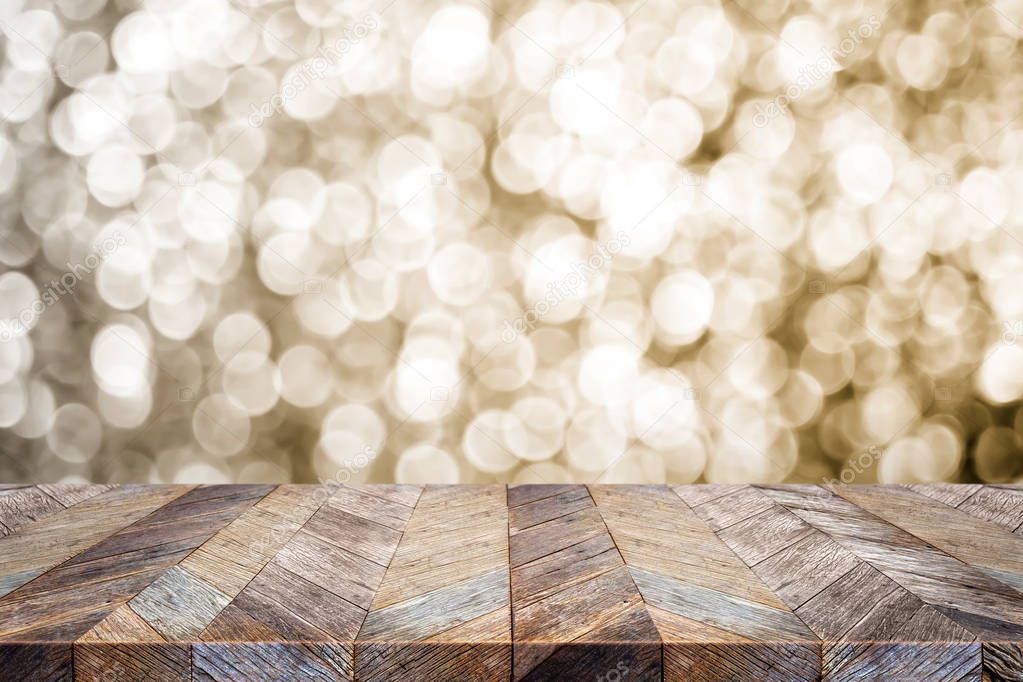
x,y
982,544
332,582
183,600
658,532
71,494
389,505
577,611
951,494
737,504
21,506
694,495
304,608
999,505
68,600
233,557
748,539
802,570
863,618
157,662
442,609
65,602
43,544
686,572
124,640
988,609
872,625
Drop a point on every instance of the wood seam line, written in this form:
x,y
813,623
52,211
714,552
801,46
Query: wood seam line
x,y
368,489
85,637
748,518
775,504
841,577
65,506
922,540
809,629
511,610
551,650
614,542
186,489
58,505
210,539
628,572
972,495
545,497
397,544
738,488
556,518
835,647
978,521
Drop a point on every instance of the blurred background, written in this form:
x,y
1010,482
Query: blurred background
x,y
465,241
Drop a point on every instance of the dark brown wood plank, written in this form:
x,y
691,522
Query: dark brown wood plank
x,y
577,611
46,662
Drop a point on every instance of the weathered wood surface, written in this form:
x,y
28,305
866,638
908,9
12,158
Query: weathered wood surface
x,y
509,583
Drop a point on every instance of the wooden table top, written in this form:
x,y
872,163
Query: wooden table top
x,y
292,582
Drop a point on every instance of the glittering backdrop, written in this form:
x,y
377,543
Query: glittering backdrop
x,y
462,241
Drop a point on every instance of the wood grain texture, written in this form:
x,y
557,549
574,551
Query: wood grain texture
x,y
1000,505
442,609
986,545
529,582
717,619
866,621
577,610
179,604
67,601
304,608
43,544
965,594
21,506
